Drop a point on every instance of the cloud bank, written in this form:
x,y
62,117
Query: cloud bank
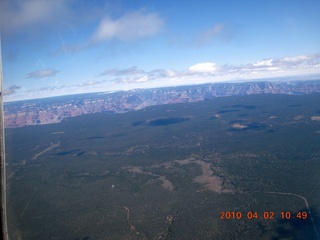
x,y
212,72
199,73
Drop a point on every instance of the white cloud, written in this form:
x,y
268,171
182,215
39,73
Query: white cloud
x,y
118,72
211,72
171,73
131,26
136,75
139,79
267,62
299,58
293,65
42,73
220,31
161,73
206,36
142,79
11,90
16,15
207,67
89,83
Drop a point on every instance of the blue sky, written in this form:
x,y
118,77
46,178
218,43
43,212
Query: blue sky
x,y
52,48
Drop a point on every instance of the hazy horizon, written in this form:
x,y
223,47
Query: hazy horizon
x,y
300,78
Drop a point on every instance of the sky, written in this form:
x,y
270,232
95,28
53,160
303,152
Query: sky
x,y
61,47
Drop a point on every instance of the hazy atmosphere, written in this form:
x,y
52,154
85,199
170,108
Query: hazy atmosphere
x,y
52,48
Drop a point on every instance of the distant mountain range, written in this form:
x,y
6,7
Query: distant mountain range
x,y
55,109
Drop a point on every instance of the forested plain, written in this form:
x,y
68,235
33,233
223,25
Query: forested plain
x,y
170,172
